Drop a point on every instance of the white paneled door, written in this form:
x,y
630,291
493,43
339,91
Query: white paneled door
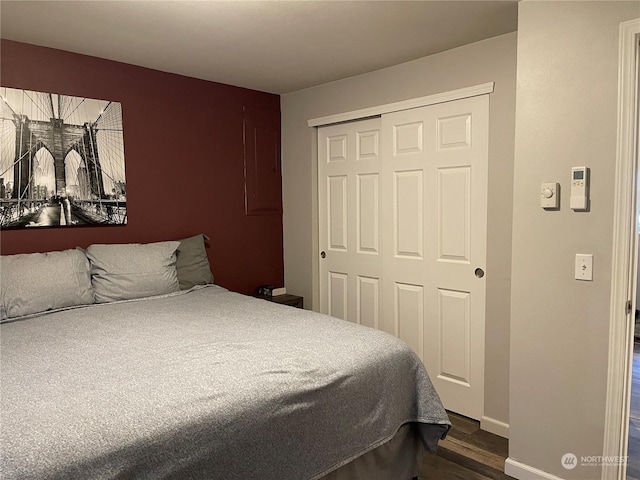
x,y
349,211
403,235
434,176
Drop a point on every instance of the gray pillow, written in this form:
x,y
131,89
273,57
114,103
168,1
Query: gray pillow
x,y
192,264
37,282
126,271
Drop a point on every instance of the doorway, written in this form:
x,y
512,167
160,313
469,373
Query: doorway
x,y
633,441
624,258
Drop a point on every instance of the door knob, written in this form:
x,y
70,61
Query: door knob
x,y
322,254
479,272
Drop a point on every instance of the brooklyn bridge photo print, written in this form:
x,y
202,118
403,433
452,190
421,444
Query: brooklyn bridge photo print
x,y
61,161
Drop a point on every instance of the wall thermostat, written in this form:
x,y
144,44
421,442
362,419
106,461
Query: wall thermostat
x,y
550,195
579,188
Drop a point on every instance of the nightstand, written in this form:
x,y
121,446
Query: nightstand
x,y
286,299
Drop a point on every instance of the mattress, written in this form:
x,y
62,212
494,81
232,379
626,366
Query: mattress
x,y
203,384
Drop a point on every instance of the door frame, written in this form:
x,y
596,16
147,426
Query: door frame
x,y
625,255
361,114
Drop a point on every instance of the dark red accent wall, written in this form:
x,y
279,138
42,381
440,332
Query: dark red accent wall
x,y
183,142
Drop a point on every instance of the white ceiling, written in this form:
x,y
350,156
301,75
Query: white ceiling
x,y
272,46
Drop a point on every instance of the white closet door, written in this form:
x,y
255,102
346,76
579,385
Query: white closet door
x,y
434,196
349,165
403,220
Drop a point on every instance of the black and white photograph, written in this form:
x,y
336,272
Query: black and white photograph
x,y
61,161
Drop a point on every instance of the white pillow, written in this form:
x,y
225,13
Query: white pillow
x,y
37,282
125,271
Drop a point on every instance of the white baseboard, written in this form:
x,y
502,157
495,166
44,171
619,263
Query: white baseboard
x,y
494,426
525,472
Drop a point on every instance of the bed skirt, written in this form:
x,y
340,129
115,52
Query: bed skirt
x,y
398,459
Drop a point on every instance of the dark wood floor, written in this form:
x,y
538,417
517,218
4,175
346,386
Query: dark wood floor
x,y
467,453
633,459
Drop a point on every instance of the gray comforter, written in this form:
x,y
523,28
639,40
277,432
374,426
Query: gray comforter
x,y
206,384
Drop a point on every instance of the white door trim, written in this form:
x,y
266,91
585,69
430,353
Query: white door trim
x,y
624,257
404,105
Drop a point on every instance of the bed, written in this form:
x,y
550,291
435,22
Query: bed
x,y
198,382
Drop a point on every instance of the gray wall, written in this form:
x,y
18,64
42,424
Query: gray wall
x,y
492,60
566,116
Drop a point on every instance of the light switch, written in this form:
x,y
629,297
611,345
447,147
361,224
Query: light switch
x,y
549,195
584,266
